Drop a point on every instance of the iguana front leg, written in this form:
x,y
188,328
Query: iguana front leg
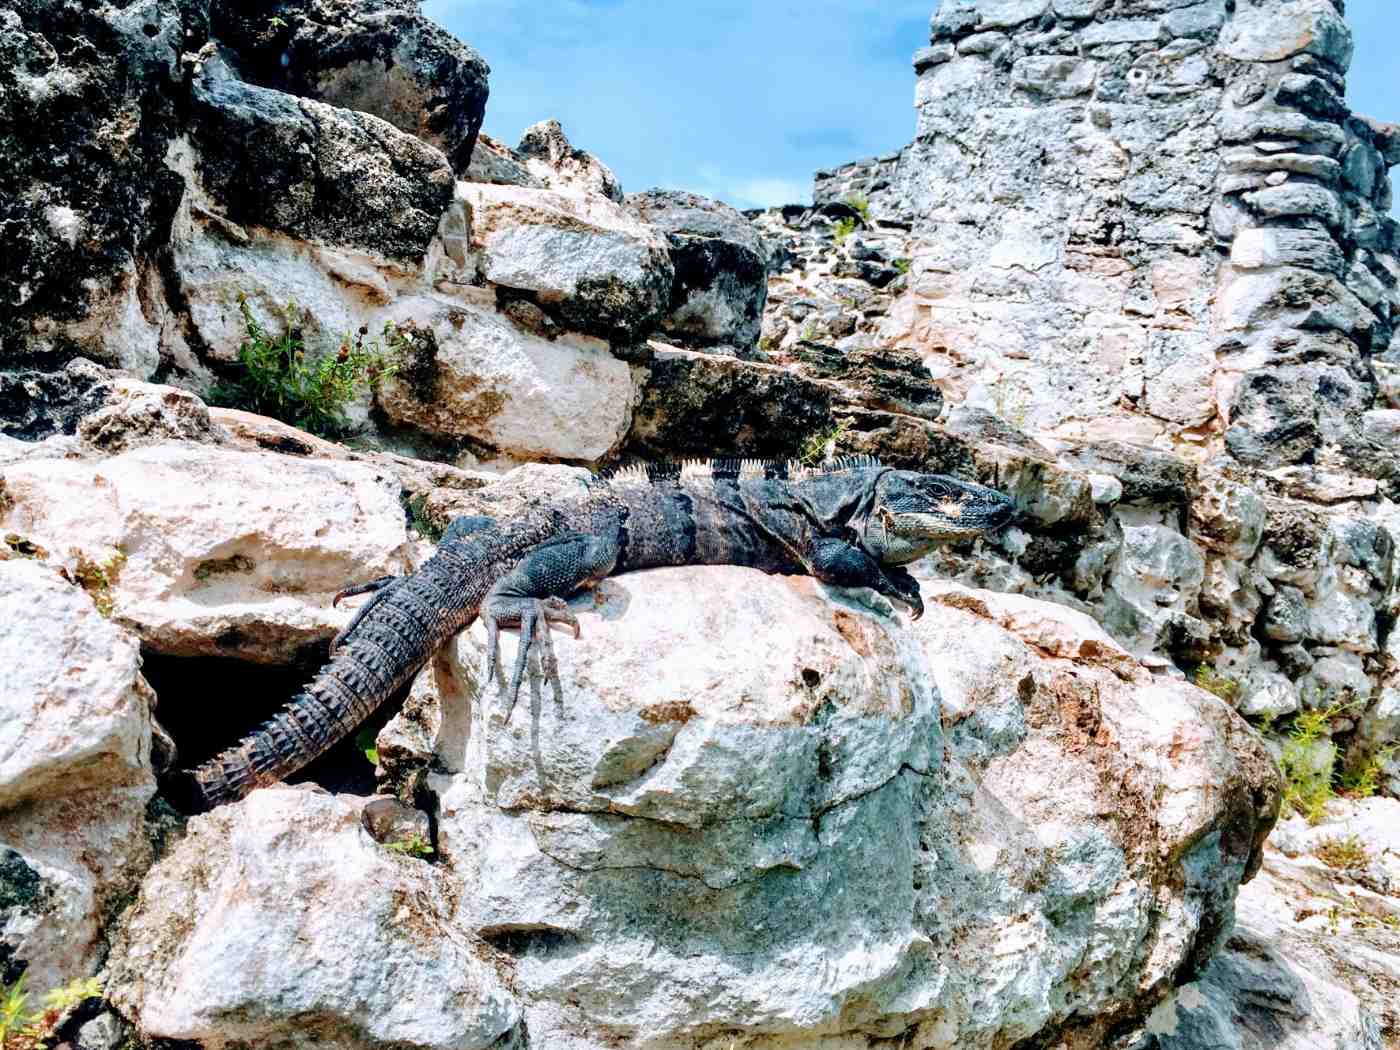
x,y
843,564
531,597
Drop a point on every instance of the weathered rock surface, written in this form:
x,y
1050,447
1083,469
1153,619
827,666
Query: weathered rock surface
x,y
756,806
549,156
586,260
721,278
352,945
384,58
207,551
1312,961
75,775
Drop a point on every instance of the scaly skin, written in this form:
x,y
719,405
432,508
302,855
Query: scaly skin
x,y
853,523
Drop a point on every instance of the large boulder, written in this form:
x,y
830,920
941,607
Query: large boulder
x,y
485,378
88,96
994,827
208,551
280,922
1314,959
312,170
75,774
587,261
381,57
721,279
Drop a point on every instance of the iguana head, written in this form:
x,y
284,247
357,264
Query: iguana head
x,y
914,513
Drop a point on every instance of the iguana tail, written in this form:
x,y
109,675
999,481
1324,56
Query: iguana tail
x,y
381,653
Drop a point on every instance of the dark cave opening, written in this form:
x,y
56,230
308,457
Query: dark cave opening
x,y
208,704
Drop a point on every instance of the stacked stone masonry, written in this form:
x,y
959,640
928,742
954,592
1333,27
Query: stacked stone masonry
x,y
1150,234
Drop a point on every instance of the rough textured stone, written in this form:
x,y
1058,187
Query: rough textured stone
x,y
381,923
482,377
549,156
314,171
677,809
245,569
381,57
721,281
586,260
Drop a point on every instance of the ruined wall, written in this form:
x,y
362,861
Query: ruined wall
x,y
1122,207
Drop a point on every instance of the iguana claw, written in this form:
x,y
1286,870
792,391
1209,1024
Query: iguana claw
x,y
528,614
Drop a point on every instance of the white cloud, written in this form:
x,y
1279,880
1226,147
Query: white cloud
x,y
753,191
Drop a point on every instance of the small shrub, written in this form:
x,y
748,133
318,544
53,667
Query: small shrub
x,y
902,265
842,230
416,846
860,203
21,1029
1345,854
279,378
1222,685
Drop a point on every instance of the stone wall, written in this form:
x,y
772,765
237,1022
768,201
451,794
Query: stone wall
x,y
1149,236
1080,176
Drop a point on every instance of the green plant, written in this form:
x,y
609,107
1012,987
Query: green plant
x,y
1345,854
97,578
1307,763
280,379
1222,685
367,742
24,1030
860,203
902,265
414,846
842,230
1364,780
276,23
420,521
816,448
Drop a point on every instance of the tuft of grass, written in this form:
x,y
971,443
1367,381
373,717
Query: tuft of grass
x,y
819,446
97,578
23,1029
1364,780
1308,782
1225,686
860,203
902,265
842,230
280,379
415,846
1345,854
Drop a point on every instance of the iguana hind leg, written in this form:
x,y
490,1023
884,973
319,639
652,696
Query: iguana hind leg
x,y
531,597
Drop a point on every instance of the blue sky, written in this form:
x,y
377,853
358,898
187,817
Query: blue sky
x,y
744,99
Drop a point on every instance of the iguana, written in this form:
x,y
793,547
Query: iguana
x,y
852,522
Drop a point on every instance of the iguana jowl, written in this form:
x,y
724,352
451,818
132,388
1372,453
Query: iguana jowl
x,y
851,523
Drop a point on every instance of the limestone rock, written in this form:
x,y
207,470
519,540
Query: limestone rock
x,y
719,806
381,57
551,158
76,710
207,551
586,260
486,379
1311,961
721,280
314,171
75,774
353,945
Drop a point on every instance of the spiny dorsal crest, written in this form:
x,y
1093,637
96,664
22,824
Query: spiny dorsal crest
x,y
734,469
